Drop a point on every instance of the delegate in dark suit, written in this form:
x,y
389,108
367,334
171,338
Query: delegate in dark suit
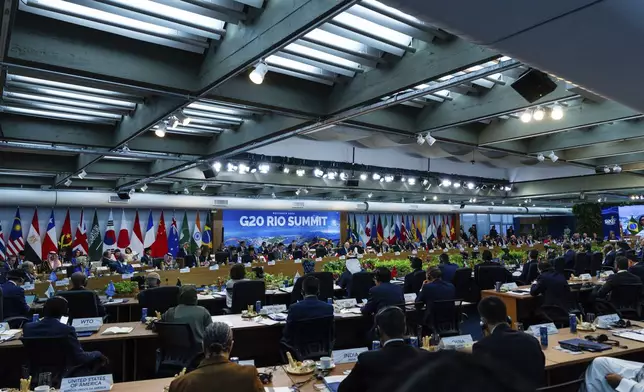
x,y
52,327
609,259
569,259
620,278
374,367
514,351
414,281
526,277
438,290
554,288
13,300
448,270
193,260
385,294
309,308
99,304
638,269
218,370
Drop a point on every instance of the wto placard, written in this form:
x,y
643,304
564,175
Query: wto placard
x,y
87,384
273,227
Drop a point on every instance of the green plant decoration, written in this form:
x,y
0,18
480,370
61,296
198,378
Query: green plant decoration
x,y
589,218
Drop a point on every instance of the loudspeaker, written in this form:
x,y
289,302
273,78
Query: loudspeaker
x,y
123,195
209,173
534,85
353,183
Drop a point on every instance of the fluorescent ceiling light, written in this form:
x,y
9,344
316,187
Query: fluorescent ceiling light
x,y
336,40
317,54
160,131
300,172
264,168
526,116
372,28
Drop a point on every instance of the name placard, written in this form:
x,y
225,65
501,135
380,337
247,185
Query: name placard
x,y
347,356
585,277
249,362
552,329
342,258
270,309
318,259
184,270
509,286
414,252
136,265
248,265
455,342
127,276
360,256
87,324
87,384
63,282
431,251
410,297
271,262
346,303
214,267
607,273
396,253
379,254
28,286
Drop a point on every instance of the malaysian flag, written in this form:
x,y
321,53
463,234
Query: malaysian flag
x,y
15,243
3,249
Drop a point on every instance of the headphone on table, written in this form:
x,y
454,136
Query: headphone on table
x,y
265,378
603,338
483,324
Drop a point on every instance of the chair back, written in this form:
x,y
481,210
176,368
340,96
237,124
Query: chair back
x,y
462,281
444,317
247,292
312,338
326,286
596,263
177,348
57,358
361,283
417,280
581,263
82,303
533,272
626,297
557,315
570,386
488,275
159,298
560,264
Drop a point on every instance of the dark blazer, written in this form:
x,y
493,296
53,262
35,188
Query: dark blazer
x,y
226,375
192,261
414,281
146,260
526,270
385,294
309,308
618,279
374,367
437,290
609,259
448,270
569,258
638,269
554,288
345,279
343,251
515,351
99,304
52,327
13,300
320,251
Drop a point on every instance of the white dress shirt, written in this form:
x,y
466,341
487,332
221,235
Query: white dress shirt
x,y
632,375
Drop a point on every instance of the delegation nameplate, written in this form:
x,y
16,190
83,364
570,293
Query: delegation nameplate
x,y
87,384
347,356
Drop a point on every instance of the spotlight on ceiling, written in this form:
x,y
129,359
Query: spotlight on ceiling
x,y
435,198
402,178
68,182
411,181
507,188
363,177
297,192
160,131
470,185
217,166
557,112
182,119
526,116
253,168
273,195
306,191
376,177
285,170
186,191
144,188
456,184
424,198
540,157
264,168
606,169
553,157
538,114
369,195
420,139
131,192
425,182
344,176
204,186
402,199
331,175
318,172
430,139
231,167
82,174
389,178
243,168
258,74
300,172
446,182
617,169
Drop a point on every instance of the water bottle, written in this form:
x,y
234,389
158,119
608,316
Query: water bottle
x,y
375,345
144,314
413,341
599,275
258,306
543,331
35,317
573,323
329,301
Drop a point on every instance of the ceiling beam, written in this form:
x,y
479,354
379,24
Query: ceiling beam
x,y
464,109
617,160
604,150
619,131
575,185
430,62
587,114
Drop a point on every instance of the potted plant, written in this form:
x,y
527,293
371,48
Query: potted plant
x,y
125,288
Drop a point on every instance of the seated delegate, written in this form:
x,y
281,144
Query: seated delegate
x,y
216,371
435,289
622,278
13,296
79,283
613,374
553,285
384,293
447,268
188,312
308,308
237,274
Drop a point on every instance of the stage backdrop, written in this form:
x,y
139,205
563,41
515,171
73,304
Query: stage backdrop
x,y
631,219
611,221
280,226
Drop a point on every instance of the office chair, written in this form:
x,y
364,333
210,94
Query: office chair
x,y
57,359
463,281
177,349
560,265
309,339
627,299
159,298
14,322
581,263
444,317
326,286
81,303
418,278
596,263
361,283
488,275
556,314
247,293
297,254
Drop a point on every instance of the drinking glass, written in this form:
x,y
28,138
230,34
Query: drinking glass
x,y
590,317
44,379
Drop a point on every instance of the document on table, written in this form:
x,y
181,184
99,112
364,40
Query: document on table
x,y
9,334
516,273
267,321
287,289
205,296
629,334
114,301
568,351
117,330
520,292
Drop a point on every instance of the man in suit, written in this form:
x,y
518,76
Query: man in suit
x,y
376,366
279,253
309,308
569,256
435,289
321,251
526,277
146,259
79,282
609,256
51,327
636,268
384,293
346,250
621,278
448,270
515,351
414,280
194,260
13,296
553,286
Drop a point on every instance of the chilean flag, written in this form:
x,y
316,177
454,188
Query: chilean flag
x,y
109,241
136,242
50,243
123,240
160,246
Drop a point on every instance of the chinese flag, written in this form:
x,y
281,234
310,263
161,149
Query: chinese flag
x,y
160,245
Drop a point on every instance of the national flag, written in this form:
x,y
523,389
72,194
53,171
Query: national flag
x,y
419,233
380,230
397,231
80,239
356,235
173,238
195,242
434,227
413,233
392,230
374,228
15,243
136,241
444,228
160,245
362,233
149,239
349,236
184,236
403,229
206,236
95,240
50,243
408,230
33,247
428,229
3,248
385,233
109,240
50,291
123,240
367,229
65,240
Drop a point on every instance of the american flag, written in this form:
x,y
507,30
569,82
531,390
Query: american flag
x,y
16,243
3,249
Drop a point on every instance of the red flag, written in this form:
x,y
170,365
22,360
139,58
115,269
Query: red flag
x,y
367,229
136,242
379,230
123,240
403,230
65,241
160,245
80,240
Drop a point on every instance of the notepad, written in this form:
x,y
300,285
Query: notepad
x,y
333,382
117,330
